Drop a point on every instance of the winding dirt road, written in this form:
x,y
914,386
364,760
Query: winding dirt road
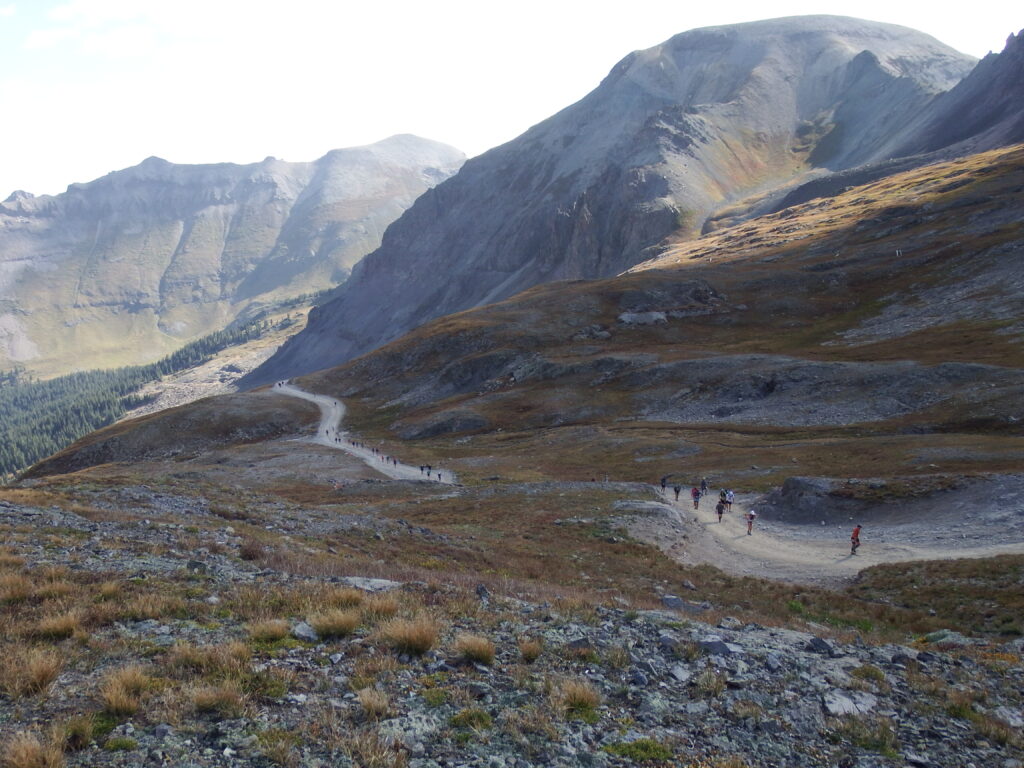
x,y
802,554
331,435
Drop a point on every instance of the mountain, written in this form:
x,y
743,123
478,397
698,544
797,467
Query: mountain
x,y
983,111
672,135
130,266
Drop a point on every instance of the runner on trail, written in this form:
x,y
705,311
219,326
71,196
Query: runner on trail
x,y
664,483
729,496
677,489
751,516
855,540
695,494
720,508
704,486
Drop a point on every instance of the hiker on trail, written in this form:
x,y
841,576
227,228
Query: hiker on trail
x,y
855,540
751,517
719,509
664,483
677,489
695,495
729,496
438,477
428,470
704,486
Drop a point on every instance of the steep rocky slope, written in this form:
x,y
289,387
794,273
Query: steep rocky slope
x,y
126,268
672,134
873,333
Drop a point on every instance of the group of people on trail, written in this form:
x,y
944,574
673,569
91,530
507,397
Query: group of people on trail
x,y
725,500
425,469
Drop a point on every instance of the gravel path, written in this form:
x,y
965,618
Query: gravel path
x,y
798,553
331,435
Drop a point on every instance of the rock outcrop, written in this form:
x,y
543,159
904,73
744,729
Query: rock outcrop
x,y
672,134
130,266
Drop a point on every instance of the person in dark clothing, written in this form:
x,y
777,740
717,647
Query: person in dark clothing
x,y
720,509
677,489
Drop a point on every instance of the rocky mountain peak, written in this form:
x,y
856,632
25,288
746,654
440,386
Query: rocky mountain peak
x,y
673,134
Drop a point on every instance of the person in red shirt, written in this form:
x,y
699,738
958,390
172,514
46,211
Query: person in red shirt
x,y
695,495
855,539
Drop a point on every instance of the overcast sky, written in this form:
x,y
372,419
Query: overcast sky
x,y
90,86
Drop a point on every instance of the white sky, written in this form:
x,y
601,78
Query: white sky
x,y
90,86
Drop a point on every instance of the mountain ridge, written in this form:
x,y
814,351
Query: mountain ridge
x,y
123,268
665,140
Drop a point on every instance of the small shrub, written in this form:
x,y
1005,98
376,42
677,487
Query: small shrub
x,y
250,549
335,623
379,607
435,697
14,588
280,746
471,717
375,704
530,649
120,744
368,750
874,734
268,631
225,699
578,699
77,733
475,648
108,590
346,597
619,657
26,750
28,671
58,627
122,690
709,683
641,750
413,636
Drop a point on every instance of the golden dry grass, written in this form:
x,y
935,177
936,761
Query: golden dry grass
x,y
414,636
475,648
226,699
268,631
28,671
336,623
530,649
58,627
576,697
27,750
122,689
375,703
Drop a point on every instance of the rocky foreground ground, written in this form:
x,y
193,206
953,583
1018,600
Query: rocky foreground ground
x,y
142,641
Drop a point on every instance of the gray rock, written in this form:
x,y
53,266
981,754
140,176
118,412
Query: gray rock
x,y
773,662
822,646
302,631
370,585
729,622
839,703
1012,717
680,673
715,646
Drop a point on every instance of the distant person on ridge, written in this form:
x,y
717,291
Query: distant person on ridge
x,y
855,539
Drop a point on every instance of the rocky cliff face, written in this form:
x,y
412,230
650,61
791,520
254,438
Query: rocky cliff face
x,y
672,134
128,267
984,111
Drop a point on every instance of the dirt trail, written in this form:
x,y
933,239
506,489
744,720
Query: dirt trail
x,y
331,435
781,552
